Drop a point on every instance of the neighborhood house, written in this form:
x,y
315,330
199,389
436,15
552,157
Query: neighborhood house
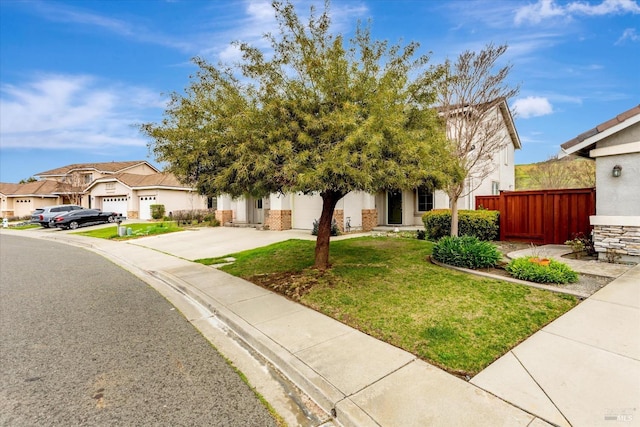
x,y
129,188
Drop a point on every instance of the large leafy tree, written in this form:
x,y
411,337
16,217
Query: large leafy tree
x,y
469,102
310,115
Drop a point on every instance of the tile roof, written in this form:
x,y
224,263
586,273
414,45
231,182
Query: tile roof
x,y
35,188
112,167
598,129
152,180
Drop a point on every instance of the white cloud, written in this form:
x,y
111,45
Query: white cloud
x,y
74,111
547,9
628,34
607,7
532,106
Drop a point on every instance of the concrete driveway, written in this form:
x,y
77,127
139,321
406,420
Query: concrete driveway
x,y
208,242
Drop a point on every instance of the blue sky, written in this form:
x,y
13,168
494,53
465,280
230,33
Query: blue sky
x,y
76,77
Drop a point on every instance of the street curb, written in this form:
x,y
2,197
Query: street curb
x,y
343,411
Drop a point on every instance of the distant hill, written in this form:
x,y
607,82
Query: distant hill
x,y
570,172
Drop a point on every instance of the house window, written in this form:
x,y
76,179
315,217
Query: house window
x,y
425,200
495,188
88,178
212,202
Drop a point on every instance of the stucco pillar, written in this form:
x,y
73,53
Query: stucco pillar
x,y
224,212
279,212
369,212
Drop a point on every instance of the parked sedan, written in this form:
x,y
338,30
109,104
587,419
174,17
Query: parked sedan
x,y
44,215
75,219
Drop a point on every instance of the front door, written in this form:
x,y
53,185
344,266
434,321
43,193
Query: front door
x,y
394,207
257,211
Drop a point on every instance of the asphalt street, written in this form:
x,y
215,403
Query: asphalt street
x,y
84,342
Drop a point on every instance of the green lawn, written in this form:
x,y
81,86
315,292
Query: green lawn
x,y
137,230
387,288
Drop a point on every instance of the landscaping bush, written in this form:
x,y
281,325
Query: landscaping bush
x,y
335,230
483,224
157,211
581,242
467,252
556,272
195,216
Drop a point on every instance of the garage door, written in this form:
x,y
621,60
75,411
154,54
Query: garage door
x,y
305,210
115,204
145,206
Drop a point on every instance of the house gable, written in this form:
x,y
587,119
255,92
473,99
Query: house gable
x,y
622,129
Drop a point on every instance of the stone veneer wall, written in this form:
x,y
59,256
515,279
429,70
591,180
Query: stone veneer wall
x,y
224,216
369,219
622,239
132,215
279,220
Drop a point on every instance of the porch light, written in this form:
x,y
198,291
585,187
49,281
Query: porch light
x,y
617,171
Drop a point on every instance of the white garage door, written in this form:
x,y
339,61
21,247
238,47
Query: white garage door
x,y
305,210
116,204
145,206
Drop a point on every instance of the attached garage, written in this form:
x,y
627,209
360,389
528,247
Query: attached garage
x,y
304,210
145,206
115,204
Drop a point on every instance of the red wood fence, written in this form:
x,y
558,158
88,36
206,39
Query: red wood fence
x,y
542,216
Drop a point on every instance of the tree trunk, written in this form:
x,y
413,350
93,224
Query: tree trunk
x,y
453,204
454,196
329,201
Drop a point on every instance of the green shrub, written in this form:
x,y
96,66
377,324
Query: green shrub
x,y
157,211
195,216
556,272
483,224
421,235
335,230
467,252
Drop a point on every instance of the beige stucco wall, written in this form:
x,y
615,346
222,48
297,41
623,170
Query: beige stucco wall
x,y
108,189
618,196
24,206
174,200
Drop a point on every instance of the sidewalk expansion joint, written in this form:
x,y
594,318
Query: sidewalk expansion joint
x,y
542,390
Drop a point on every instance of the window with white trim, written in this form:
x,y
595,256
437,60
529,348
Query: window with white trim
x,y
495,188
425,199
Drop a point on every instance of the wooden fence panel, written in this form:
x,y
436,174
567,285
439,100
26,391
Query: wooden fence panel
x,y
542,216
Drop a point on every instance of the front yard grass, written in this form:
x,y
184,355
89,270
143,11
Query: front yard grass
x,y
387,288
137,230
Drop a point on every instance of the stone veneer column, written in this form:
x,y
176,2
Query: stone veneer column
x,y
279,219
279,212
338,215
619,235
224,216
224,212
132,215
369,219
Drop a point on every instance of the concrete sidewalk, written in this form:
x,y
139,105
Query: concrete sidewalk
x,y
579,370
583,369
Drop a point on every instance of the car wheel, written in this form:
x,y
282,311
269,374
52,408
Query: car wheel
x,y
111,218
73,225
45,225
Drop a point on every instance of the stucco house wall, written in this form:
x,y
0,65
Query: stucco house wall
x,y
618,196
